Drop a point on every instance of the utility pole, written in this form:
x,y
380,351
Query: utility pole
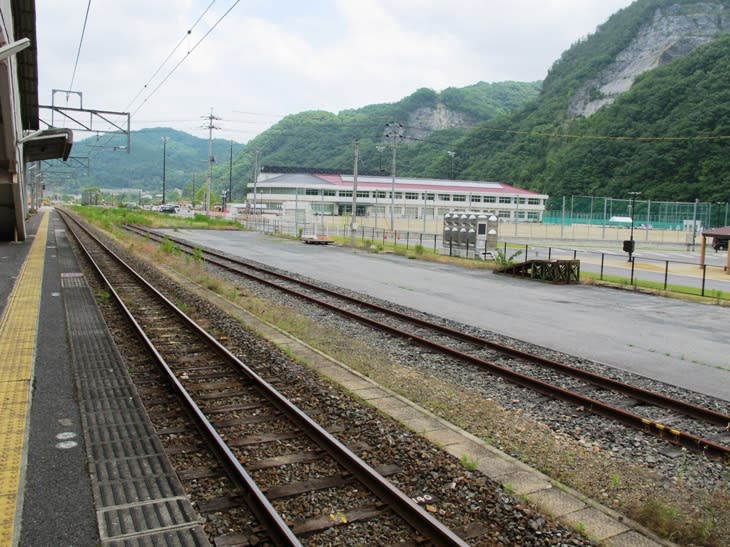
x,y
394,131
353,224
694,223
451,154
230,175
255,180
164,161
210,127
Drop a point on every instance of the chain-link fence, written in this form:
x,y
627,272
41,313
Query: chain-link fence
x,y
664,215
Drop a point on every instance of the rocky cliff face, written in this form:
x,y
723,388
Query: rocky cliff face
x,y
674,32
423,121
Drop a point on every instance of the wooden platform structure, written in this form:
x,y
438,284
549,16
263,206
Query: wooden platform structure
x,y
553,271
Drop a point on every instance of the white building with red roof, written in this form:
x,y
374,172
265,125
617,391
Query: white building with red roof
x,y
332,194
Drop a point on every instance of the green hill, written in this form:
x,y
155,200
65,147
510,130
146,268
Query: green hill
x,y
664,137
113,168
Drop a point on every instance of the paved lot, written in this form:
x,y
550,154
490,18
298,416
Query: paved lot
x,y
676,342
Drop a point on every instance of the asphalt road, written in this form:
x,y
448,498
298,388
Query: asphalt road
x,y
676,342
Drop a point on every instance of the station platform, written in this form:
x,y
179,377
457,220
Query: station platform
x,y
82,464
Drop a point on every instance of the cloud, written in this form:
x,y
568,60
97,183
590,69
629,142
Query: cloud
x,y
285,56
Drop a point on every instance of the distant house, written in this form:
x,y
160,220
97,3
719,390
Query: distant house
x,y
332,194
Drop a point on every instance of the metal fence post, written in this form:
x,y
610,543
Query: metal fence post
x,y
633,263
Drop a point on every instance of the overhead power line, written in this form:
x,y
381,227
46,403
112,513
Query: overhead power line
x,y
78,52
174,49
187,55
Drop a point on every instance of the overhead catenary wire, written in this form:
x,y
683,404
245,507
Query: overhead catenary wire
x,y
183,59
186,55
78,51
174,49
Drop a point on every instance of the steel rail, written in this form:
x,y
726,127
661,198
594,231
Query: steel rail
x,y
436,532
279,532
598,407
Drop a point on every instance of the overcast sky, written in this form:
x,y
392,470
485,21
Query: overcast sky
x,y
269,58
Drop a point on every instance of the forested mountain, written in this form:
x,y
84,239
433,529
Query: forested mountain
x,y
641,104
141,168
663,133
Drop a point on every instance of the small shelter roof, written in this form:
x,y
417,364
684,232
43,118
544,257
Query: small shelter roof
x,y
717,232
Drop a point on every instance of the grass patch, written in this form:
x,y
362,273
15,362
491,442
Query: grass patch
x,y
657,287
119,216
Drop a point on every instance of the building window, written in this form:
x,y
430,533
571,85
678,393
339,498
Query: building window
x,y
505,199
533,216
363,194
380,194
459,197
504,214
533,201
399,195
312,192
490,199
444,197
476,199
411,195
329,193
345,193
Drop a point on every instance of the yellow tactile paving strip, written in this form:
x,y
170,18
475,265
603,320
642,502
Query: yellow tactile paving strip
x,y
18,332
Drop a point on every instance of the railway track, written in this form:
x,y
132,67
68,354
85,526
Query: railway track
x,y
275,458
677,421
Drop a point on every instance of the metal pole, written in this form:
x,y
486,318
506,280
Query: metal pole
x,y
425,203
210,159
296,212
395,132
230,175
255,180
694,223
631,236
392,186
648,219
164,166
353,223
